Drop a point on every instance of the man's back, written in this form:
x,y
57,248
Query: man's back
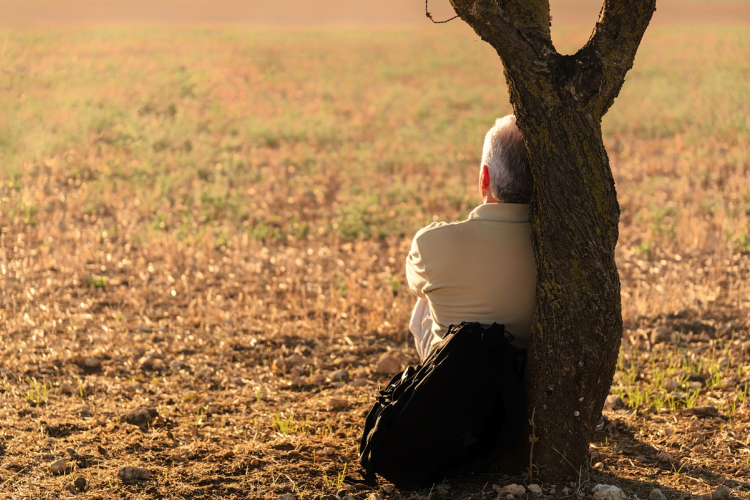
x,y
478,270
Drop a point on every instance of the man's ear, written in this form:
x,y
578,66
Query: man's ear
x,y
484,177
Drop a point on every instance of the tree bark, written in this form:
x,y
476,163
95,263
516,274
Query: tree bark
x,y
559,102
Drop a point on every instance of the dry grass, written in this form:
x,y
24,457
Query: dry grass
x,y
212,222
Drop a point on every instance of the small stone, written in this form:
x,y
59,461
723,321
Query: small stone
x,y
702,411
360,382
80,483
129,474
92,362
599,466
141,416
66,388
338,403
510,489
387,489
614,402
58,466
254,462
721,493
101,450
342,492
388,364
665,457
535,489
607,492
71,452
660,335
374,496
339,375
328,450
656,494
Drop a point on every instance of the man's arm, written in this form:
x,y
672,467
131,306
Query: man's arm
x,y
416,268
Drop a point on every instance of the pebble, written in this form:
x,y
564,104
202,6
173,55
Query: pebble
x,y
656,494
338,403
66,388
128,474
92,362
721,493
254,462
387,489
510,489
339,375
71,452
80,483
535,489
702,411
614,402
374,496
360,382
387,364
607,492
58,466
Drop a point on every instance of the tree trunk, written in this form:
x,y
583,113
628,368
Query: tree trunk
x,y
559,102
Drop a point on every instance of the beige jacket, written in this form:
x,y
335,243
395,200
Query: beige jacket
x,y
481,269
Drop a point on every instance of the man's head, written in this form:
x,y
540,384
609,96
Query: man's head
x,y
505,175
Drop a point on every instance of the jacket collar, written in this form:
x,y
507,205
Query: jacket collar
x,y
511,212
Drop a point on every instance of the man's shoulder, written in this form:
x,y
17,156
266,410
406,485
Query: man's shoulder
x,y
439,230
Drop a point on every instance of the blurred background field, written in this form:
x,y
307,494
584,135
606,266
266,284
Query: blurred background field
x,y
184,208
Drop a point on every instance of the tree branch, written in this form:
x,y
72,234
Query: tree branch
x,y
517,29
613,43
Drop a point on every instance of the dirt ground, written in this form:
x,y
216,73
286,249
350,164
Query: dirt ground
x,y
197,280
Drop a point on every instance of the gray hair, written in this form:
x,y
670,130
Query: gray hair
x,y
504,154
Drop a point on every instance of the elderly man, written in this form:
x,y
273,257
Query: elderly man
x,y
481,269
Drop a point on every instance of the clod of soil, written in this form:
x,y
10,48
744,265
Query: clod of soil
x,y
80,483
141,416
387,364
129,474
721,493
58,466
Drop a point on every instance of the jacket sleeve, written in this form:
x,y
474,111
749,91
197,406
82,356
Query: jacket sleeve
x,y
416,269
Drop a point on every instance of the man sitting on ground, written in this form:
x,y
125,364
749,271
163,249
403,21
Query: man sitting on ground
x,y
481,269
